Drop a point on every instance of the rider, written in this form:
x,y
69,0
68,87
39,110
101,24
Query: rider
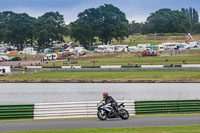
x,y
109,99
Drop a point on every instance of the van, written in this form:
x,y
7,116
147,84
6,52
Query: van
x,y
50,57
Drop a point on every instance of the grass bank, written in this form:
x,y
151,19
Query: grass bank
x,y
172,129
136,39
124,76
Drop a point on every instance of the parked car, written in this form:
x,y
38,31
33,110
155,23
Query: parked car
x,y
2,59
16,58
6,58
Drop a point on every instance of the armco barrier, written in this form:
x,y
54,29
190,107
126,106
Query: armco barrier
x,y
191,65
34,67
72,109
114,66
173,106
152,66
16,111
71,67
117,66
90,66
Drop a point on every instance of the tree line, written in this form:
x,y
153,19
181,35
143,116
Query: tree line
x,y
168,21
102,23
20,28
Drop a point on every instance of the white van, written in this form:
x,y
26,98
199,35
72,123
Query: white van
x,y
50,57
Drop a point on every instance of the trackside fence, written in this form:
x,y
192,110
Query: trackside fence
x,y
173,106
89,109
16,111
72,109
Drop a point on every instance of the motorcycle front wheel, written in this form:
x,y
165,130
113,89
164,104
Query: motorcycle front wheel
x,y
102,115
124,114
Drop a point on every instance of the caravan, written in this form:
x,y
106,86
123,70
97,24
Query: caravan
x,y
135,49
121,48
171,46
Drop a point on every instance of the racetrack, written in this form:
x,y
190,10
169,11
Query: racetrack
x,y
95,123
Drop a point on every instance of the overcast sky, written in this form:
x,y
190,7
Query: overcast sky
x,y
137,10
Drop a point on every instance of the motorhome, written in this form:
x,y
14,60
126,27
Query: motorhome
x,y
120,48
135,49
28,50
193,44
171,46
143,46
105,49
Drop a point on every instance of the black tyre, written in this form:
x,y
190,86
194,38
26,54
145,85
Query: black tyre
x,y
102,115
124,114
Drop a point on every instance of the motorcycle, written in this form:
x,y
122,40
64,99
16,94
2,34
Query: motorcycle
x,y
107,111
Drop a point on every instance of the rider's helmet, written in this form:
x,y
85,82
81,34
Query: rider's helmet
x,y
105,95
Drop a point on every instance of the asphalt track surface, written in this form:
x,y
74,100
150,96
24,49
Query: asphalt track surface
x,y
95,123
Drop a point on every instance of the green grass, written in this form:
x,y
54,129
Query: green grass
x,y
109,76
124,58
170,129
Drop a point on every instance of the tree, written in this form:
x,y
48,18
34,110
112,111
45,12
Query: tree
x,y
134,27
167,21
105,22
16,28
113,24
192,15
50,27
196,28
80,32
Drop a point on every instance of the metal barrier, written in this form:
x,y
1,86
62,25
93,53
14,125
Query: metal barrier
x,y
173,106
16,111
72,109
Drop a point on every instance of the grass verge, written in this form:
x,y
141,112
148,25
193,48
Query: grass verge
x,y
133,58
171,129
126,76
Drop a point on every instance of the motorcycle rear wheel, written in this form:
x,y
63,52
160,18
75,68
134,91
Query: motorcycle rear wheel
x,y
124,114
102,115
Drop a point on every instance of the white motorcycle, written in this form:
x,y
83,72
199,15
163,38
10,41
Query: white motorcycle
x,y
107,111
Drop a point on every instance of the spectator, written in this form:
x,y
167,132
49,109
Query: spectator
x,y
69,57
